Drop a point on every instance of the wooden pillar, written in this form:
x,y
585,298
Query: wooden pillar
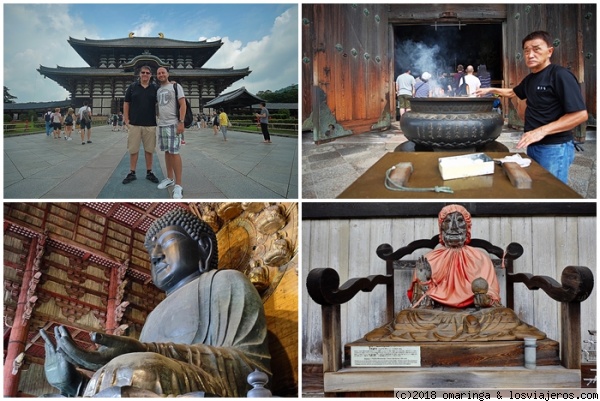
x,y
570,338
332,338
111,306
20,329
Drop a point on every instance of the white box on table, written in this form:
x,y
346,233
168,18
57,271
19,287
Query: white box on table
x,y
465,166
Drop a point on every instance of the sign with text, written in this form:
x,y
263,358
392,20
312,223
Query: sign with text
x,y
385,356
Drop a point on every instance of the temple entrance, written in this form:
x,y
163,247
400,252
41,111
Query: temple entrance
x,y
348,76
116,105
437,48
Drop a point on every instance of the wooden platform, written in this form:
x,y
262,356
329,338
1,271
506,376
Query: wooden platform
x,y
470,354
361,380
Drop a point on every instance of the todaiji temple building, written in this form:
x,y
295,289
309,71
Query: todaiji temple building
x,y
114,64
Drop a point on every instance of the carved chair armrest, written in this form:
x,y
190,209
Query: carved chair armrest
x,y
577,283
387,253
323,285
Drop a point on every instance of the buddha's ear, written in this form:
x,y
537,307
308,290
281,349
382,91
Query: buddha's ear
x,y
206,247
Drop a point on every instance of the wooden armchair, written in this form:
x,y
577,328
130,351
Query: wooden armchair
x,y
323,285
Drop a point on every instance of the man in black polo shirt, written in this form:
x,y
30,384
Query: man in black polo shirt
x,y
554,106
139,114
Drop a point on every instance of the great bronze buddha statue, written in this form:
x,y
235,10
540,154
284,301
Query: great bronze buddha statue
x,y
206,336
454,293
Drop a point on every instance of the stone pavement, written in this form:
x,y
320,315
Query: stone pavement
x,y
40,167
328,169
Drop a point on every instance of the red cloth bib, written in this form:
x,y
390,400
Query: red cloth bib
x,y
453,270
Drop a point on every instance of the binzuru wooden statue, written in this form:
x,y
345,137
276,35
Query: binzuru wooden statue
x,y
455,294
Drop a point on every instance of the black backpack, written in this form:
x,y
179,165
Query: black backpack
x,y
47,117
86,117
462,88
189,116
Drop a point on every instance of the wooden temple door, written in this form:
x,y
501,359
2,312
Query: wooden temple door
x,y
347,69
573,27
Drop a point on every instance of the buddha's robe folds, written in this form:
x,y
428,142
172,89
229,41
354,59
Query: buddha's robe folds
x,y
206,336
452,272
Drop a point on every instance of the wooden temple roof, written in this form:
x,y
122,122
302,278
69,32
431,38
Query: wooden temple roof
x,y
221,77
237,98
91,49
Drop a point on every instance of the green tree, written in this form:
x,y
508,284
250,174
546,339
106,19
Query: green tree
x,y
8,98
288,94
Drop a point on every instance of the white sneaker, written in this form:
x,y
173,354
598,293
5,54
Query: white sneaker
x,y
177,192
167,182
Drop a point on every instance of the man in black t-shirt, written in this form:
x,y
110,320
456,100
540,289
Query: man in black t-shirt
x,y
554,106
139,113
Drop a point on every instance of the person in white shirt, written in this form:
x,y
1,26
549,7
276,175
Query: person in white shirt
x,y
170,129
85,118
472,81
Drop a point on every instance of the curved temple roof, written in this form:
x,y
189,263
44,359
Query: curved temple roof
x,y
91,49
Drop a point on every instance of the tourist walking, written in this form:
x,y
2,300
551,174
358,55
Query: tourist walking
x,y
405,89
171,114
215,121
223,123
69,121
120,121
48,121
139,114
56,122
115,120
263,118
85,118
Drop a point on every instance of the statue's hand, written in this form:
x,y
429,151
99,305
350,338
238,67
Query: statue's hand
x,y
423,269
111,347
481,299
60,373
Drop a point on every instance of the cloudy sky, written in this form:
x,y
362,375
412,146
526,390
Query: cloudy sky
x,y
263,37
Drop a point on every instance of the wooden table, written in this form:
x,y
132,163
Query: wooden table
x,y
426,174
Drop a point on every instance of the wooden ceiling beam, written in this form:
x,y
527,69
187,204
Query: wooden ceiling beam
x,y
63,240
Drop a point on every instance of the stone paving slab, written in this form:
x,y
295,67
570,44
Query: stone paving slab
x,y
40,167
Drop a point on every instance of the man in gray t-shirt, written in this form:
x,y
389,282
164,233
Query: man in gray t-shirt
x,y
263,119
170,129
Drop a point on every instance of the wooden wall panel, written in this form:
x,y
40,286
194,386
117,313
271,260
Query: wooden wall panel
x,y
348,245
345,56
305,62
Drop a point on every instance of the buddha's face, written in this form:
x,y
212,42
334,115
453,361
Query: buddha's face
x,y
454,230
174,256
